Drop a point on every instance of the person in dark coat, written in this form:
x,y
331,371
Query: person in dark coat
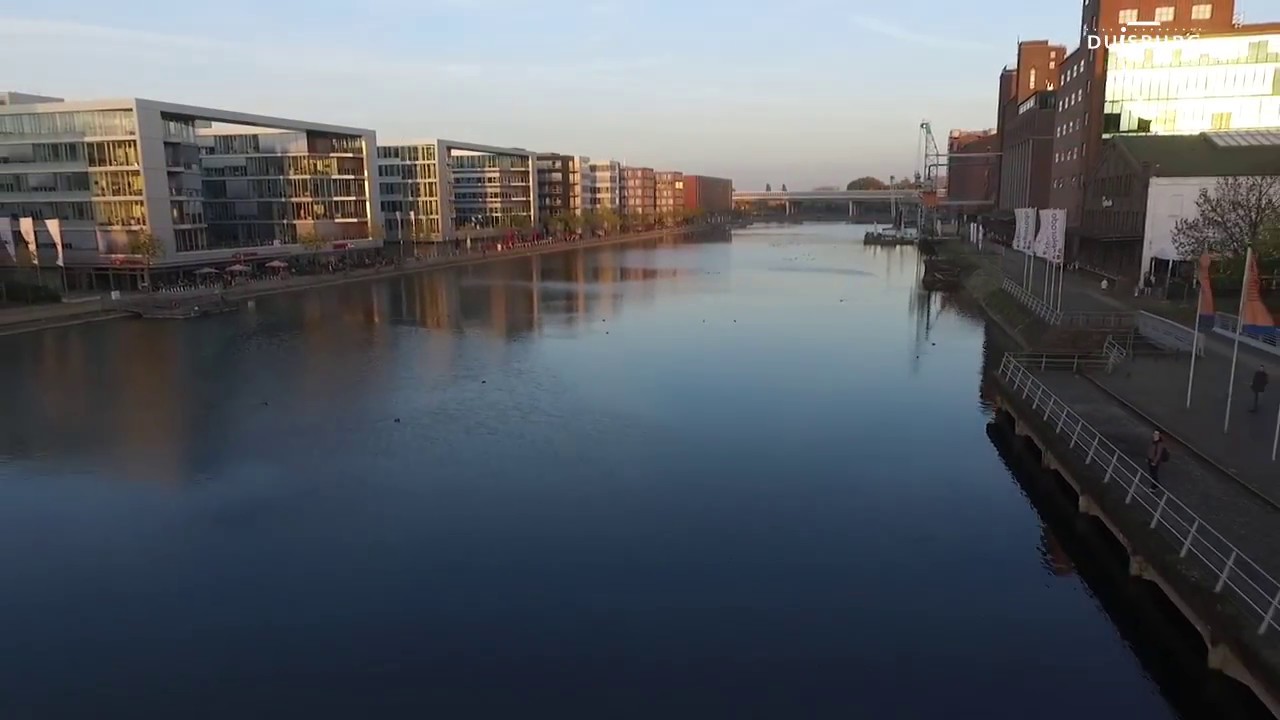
x,y
1157,455
1259,386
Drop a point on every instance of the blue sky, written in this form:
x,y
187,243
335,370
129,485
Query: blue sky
x,y
802,92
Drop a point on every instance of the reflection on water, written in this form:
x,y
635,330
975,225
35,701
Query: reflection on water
x,y
654,479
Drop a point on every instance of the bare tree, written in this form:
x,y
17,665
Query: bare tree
x,y
1240,211
768,187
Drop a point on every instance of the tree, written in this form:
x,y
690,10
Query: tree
x,y
1239,212
148,247
768,187
521,224
311,242
784,187
867,182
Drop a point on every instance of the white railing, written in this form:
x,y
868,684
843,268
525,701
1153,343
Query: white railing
x,y
1099,320
1074,362
1115,352
1168,334
1233,574
1035,304
1226,323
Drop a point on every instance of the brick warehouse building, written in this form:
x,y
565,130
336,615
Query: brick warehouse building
x,y
973,171
710,195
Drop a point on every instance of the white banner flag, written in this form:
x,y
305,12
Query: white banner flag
x,y
54,227
27,226
1057,221
1041,247
1024,234
6,239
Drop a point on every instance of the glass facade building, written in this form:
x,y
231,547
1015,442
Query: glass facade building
x,y
1191,86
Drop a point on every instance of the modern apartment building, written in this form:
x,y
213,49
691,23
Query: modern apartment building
x,y
560,190
82,183
709,196
446,189
639,191
669,194
602,185
1083,90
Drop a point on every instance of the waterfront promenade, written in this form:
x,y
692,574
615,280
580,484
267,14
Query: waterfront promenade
x,y
20,319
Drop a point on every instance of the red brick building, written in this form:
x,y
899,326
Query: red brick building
x,y
711,195
1078,135
973,171
1022,122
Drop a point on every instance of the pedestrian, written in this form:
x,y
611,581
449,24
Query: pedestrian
x,y
1105,284
1259,385
1157,455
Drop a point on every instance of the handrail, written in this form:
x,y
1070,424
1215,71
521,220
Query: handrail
x,y
1115,352
1035,304
1227,323
1060,361
1248,586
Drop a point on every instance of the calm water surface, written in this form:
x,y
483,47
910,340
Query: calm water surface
x,y
680,478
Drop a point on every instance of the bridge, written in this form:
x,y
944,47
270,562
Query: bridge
x,y
882,206
842,196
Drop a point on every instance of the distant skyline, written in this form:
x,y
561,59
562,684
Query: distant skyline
x,y
806,93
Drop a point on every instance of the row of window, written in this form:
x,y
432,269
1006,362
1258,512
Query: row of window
x,y
407,153
1192,83
281,188
1066,155
1066,128
1070,99
1062,182
408,209
1166,14
1204,52
98,123
1185,118
485,162
224,210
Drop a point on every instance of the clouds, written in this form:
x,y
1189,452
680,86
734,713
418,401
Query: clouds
x,y
917,41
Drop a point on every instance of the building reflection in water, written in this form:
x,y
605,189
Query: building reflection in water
x,y
170,401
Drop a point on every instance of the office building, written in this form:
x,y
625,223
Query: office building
x,y
92,183
448,190
1228,82
669,195
639,192
1083,89
708,196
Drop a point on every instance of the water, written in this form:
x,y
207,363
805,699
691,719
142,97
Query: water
x,y
661,479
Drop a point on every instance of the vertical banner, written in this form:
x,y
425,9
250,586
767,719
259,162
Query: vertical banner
x,y
1057,233
27,226
1023,229
54,227
1040,245
1255,317
6,239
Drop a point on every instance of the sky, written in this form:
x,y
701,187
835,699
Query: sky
x,y
801,92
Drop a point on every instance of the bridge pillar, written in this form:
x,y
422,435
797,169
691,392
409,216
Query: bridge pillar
x,y
788,204
850,209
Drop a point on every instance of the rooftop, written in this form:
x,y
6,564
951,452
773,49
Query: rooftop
x,y
1211,154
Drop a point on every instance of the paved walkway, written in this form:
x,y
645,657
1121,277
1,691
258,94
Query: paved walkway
x,y
1246,520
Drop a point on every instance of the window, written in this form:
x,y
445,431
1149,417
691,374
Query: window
x,y
1201,12
1164,13
1052,64
1128,16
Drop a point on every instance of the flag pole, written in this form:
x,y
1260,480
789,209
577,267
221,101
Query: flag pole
x,y
1195,332
1235,350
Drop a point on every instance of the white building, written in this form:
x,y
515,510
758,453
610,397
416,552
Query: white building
x,y
210,186
602,185
446,189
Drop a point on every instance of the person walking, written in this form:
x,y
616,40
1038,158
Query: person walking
x,y
1157,455
1259,385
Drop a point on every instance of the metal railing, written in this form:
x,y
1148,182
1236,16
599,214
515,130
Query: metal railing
x,y
1248,586
1115,352
1074,362
1227,323
1033,303
1167,334
1100,320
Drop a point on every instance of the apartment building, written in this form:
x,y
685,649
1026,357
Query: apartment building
x,y
445,190
602,185
669,194
83,184
639,191
560,188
